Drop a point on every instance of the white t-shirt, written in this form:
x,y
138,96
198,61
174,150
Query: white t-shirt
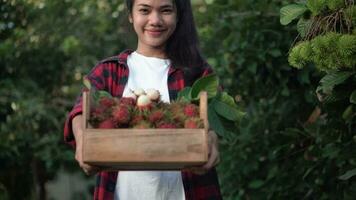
x,y
148,72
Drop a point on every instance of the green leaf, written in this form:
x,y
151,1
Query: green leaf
x,y
214,121
353,97
226,98
348,112
256,184
330,151
227,111
348,174
329,81
97,94
184,95
207,83
303,26
290,12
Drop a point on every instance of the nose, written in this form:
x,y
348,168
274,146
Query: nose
x,y
155,19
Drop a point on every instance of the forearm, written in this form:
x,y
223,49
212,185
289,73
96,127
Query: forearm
x,y
77,127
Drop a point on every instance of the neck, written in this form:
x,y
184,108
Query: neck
x,y
152,52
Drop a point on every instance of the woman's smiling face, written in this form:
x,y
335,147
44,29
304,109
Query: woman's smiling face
x,y
154,22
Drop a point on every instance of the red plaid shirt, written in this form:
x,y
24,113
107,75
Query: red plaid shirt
x,y
111,75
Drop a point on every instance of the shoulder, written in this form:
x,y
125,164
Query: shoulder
x,y
120,58
194,73
110,62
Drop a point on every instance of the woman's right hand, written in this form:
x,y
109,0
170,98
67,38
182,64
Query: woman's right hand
x,y
78,135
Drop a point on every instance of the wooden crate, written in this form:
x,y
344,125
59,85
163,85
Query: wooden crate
x,y
145,149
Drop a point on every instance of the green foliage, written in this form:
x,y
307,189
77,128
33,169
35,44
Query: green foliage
x,y
316,6
348,174
331,51
331,80
221,106
304,26
349,14
300,54
45,48
290,12
335,4
208,83
277,139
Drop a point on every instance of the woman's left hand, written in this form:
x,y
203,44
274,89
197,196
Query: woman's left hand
x,y
213,154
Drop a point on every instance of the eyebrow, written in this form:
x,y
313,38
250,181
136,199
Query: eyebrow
x,y
163,6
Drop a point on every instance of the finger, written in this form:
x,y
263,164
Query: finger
x,y
89,169
90,172
212,159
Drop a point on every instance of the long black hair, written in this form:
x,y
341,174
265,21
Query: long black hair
x,y
182,47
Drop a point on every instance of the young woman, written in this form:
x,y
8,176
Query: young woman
x,y
167,58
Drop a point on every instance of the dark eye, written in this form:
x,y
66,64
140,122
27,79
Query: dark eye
x,y
143,10
167,11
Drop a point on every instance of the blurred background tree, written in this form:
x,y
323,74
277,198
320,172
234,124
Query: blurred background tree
x,y
45,48
290,145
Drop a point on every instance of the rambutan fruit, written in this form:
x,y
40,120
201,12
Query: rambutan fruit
x,y
194,123
191,110
107,124
121,114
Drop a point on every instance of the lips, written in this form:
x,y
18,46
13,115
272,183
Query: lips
x,y
155,32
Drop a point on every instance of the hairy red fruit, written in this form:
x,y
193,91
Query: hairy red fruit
x,y
142,125
107,124
166,125
191,110
106,102
121,114
193,123
127,101
156,116
136,120
176,107
97,112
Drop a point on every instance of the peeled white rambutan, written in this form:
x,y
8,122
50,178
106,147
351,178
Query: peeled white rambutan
x,y
138,92
153,94
143,101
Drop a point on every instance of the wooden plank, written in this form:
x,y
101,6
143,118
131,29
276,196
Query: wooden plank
x,y
155,148
86,108
203,106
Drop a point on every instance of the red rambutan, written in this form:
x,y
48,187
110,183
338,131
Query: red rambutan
x,y
107,124
191,110
156,116
121,114
142,125
127,101
166,125
193,123
106,102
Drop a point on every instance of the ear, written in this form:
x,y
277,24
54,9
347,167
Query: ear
x,y
130,18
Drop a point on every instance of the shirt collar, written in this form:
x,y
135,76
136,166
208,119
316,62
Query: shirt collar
x,y
122,59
